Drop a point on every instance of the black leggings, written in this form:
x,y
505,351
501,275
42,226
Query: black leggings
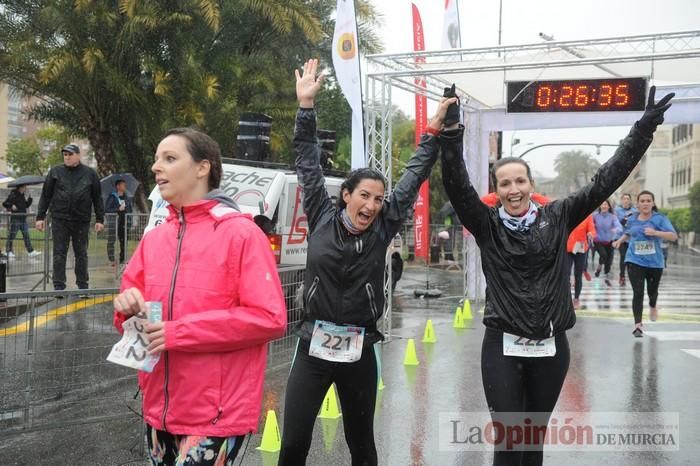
x,y
578,262
638,275
517,384
605,251
309,381
623,252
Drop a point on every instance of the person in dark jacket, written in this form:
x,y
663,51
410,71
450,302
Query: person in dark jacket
x,y
624,211
70,192
525,352
117,205
344,283
17,205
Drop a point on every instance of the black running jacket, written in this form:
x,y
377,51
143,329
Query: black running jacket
x,y
527,273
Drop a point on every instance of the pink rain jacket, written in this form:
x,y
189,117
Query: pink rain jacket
x,y
214,272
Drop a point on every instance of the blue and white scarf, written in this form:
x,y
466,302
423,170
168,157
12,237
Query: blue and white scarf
x,y
347,223
521,223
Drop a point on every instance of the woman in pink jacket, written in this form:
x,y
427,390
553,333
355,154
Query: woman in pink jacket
x,y
212,270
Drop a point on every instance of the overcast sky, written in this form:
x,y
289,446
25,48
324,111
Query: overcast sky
x,y
522,21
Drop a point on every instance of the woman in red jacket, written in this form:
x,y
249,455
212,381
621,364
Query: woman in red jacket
x,y
212,270
577,247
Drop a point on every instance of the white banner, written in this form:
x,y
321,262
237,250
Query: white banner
x,y
346,61
451,34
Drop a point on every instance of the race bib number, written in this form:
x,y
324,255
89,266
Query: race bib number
x,y
579,247
337,343
131,351
644,248
514,345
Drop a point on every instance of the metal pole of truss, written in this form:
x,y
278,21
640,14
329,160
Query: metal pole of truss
x,y
378,123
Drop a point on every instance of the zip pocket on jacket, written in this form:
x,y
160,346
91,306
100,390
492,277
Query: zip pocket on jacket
x,y
372,304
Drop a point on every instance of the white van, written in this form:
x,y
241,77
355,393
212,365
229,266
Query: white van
x,y
273,197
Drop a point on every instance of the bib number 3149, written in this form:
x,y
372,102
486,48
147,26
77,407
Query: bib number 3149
x,y
337,343
514,345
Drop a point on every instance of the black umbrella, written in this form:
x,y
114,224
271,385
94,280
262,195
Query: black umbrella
x,y
26,180
109,181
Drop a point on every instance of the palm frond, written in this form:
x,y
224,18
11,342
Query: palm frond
x,y
211,13
161,83
56,66
91,57
210,84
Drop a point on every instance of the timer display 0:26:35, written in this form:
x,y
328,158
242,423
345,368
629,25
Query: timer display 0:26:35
x,y
581,95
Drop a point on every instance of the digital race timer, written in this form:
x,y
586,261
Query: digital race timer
x,y
577,95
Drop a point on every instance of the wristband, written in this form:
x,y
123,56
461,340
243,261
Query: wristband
x,y
433,131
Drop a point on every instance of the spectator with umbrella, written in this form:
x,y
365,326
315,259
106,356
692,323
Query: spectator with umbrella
x,y
17,203
117,205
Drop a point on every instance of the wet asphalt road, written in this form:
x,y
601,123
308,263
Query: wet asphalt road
x,y
610,371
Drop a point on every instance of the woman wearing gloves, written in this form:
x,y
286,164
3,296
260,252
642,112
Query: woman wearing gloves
x,y
525,352
344,282
212,270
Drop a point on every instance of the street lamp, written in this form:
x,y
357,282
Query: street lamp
x,y
595,144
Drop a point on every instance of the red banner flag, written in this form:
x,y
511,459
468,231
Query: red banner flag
x,y
422,207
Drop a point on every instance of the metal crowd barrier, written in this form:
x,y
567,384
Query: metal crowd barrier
x,y
53,367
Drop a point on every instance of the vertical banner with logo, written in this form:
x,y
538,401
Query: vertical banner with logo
x,y
346,61
451,33
422,207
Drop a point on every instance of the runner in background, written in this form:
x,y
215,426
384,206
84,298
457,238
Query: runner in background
x,y
577,247
607,228
623,212
645,261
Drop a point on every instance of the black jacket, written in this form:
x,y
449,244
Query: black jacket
x,y
71,193
344,281
17,199
527,275
112,206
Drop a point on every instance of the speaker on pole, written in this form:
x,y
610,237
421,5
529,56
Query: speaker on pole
x,y
326,139
253,140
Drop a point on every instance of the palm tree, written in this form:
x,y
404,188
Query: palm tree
x,y
119,72
574,170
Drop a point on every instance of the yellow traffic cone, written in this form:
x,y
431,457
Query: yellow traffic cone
x,y
380,386
410,359
458,320
271,439
467,310
329,427
329,408
429,333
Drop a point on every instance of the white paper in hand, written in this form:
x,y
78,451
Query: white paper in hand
x,y
131,351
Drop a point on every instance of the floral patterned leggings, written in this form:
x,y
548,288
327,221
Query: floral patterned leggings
x,y
166,449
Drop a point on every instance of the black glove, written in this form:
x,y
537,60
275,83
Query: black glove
x,y
452,115
654,113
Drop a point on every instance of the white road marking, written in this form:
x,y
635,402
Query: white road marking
x,y
674,336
